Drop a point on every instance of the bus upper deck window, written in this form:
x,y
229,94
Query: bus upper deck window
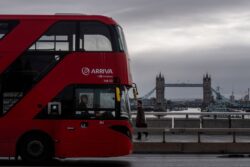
x,y
60,37
6,27
94,36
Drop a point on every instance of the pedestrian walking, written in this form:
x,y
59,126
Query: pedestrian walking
x,y
140,120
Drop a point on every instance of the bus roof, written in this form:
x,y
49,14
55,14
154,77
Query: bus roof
x,y
60,16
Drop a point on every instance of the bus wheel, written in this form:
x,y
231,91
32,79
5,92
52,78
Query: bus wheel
x,y
36,149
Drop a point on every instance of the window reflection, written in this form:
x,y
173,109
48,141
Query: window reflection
x,y
96,43
85,98
95,103
95,36
83,102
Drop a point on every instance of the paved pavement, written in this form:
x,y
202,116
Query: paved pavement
x,y
148,160
193,138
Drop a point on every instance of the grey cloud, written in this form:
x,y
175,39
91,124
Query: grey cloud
x,y
171,11
130,12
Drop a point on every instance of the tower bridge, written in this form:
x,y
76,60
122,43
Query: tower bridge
x,y
161,85
183,85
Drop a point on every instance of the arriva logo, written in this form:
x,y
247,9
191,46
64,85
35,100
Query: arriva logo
x,y
85,71
96,71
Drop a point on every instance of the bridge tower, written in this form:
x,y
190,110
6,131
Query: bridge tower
x,y
160,93
207,90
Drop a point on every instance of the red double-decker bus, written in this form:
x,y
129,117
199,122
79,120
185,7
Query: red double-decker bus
x,y
64,83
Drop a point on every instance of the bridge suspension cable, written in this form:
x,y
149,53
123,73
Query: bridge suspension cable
x,y
148,94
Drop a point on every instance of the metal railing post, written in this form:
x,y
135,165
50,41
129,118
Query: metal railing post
x,y
199,137
172,122
201,122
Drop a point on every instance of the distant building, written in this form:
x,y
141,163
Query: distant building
x,y
148,104
246,98
207,90
160,93
232,98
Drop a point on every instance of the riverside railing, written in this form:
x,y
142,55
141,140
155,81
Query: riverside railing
x,y
197,115
198,131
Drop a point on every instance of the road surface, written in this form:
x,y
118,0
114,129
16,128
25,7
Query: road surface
x,y
148,160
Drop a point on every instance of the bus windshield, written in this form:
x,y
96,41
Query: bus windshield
x,y
121,40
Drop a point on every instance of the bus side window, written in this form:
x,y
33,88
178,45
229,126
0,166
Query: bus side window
x,y
60,37
84,103
84,99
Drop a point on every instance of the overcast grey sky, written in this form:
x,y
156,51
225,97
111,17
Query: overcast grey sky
x,y
182,39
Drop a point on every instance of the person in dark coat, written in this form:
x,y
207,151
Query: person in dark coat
x,y
83,102
140,120
83,107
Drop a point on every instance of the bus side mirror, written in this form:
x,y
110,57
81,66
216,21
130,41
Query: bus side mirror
x,y
135,91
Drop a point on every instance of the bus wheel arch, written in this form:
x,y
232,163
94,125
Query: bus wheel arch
x,y
35,146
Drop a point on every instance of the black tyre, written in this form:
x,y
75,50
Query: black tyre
x,y
36,149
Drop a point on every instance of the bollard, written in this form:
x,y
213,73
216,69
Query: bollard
x,y
164,139
234,137
199,137
215,116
